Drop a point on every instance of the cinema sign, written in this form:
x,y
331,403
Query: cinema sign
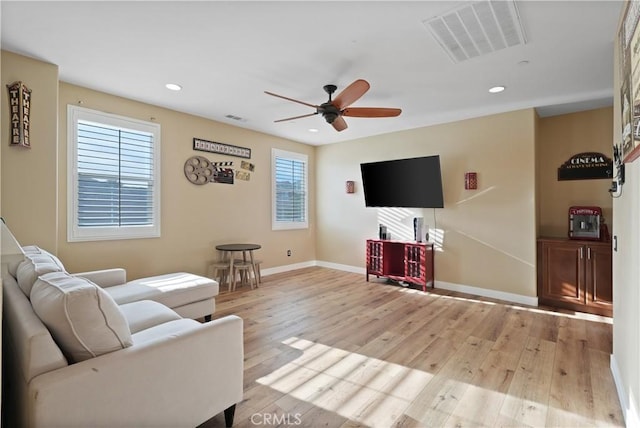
x,y
586,166
20,110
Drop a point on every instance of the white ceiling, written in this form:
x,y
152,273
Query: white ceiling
x,y
225,54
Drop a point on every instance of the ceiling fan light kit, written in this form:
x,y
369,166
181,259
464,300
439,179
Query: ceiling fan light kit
x,y
334,109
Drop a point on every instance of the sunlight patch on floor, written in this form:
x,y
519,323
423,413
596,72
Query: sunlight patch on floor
x,y
363,389
568,314
377,393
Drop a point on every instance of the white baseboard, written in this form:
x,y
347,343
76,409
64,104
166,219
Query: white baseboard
x,y
311,263
629,410
346,268
485,292
287,268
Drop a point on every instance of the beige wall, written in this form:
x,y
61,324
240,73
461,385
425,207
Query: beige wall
x,y
479,232
559,138
29,190
484,232
626,274
194,218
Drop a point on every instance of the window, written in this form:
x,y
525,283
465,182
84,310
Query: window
x,y
289,188
113,176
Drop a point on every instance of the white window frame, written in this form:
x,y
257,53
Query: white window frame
x,y
287,225
97,233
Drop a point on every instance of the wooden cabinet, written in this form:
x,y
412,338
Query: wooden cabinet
x,y
401,261
575,275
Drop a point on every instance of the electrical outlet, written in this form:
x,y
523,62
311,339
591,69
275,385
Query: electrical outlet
x,y
288,253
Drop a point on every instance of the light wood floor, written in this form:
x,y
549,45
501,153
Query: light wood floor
x,y
326,348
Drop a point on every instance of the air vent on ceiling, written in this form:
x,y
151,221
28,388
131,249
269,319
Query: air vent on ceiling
x,y
234,117
478,29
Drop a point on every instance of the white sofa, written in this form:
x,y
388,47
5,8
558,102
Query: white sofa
x,y
191,296
74,357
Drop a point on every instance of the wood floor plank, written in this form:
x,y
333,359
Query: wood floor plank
x,y
435,403
482,401
528,394
545,326
474,314
571,393
327,348
410,347
600,336
493,324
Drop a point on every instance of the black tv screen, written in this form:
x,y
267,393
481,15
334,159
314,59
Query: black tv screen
x,y
407,183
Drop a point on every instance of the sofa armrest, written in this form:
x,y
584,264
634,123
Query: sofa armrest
x,y
181,380
106,277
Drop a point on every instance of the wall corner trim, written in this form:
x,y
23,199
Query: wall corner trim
x,y
629,410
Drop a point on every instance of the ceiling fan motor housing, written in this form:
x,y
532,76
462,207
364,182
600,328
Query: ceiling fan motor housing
x,y
329,112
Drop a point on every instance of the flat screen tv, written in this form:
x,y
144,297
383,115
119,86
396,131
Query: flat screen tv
x,y
407,183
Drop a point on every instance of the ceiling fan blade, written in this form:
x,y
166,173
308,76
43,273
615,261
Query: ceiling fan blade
x,y
290,99
339,124
371,112
296,117
351,93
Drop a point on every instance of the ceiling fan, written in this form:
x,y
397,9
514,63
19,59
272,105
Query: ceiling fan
x,y
333,110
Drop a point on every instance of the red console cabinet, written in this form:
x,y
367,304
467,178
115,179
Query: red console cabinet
x,y
401,261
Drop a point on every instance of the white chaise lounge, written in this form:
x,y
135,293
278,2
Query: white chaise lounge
x,y
75,357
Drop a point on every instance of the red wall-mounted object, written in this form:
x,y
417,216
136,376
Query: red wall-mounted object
x,y
470,180
351,186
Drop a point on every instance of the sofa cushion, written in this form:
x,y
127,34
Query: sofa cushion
x,y
34,265
166,331
145,314
13,266
28,346
172,290
82,318
55,259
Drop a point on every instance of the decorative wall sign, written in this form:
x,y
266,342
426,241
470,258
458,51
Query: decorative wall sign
x,y
199,170
223,173
243,175
586,166
247,165
629,68
20,110
223,149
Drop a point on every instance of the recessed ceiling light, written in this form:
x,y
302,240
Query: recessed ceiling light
x,y
173,87
497,89
313,130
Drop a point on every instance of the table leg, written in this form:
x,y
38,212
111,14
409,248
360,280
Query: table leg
x,y
231,272
224,278
255,270
244,259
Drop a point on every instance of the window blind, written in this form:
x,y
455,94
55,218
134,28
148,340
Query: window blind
x,y
291,188
115,176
